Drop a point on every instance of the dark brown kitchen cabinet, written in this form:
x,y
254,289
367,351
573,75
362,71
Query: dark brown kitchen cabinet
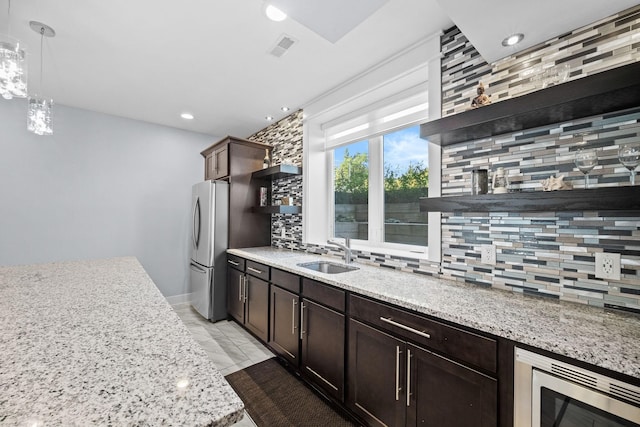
x,y
404,369
257,307
375,376
322,336
394,383
308,330
217,163
234,160
322,354
248,298
232,156
235,294
446,393
285,321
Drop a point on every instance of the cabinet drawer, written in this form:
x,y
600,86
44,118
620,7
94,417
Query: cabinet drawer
x,y
324,294
286,280
456,343
235,262
258,270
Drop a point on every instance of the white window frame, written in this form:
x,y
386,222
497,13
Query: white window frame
x,y
376,216
417,66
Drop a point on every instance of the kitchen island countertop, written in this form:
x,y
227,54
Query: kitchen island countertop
x,y
96,343
603,338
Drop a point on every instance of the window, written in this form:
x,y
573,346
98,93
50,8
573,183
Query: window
x,y
400,93
377,186
406,179
351,191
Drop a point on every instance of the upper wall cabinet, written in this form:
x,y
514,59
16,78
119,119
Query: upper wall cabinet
x,y
231,156
601,93
234,159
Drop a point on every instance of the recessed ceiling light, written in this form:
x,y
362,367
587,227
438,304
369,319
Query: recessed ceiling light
x,y
187,116
274,13
268,118
513,39
284,109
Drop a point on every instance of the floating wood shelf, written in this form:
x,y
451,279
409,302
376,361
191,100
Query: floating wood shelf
x,y
605,92
597,199
277,172
278,209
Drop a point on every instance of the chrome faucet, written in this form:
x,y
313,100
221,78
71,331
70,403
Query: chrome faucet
x,y
346,247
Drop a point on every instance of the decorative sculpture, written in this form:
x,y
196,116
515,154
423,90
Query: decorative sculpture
x,y
552,183
481,99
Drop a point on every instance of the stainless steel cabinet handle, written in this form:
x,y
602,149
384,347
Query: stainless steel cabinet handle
x,y
293,316
233,262
302,331
405,327
398,372
246,285
240,286
254,270
408,377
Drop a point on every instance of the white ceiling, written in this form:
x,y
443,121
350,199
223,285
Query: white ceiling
x,y
151,60
486,23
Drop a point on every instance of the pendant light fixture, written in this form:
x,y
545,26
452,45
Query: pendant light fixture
x,y
39,112
13,67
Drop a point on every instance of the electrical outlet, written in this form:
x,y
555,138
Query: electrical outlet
x,y
607,265
488,254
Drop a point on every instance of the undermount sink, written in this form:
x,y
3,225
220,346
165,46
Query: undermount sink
x,y
327,267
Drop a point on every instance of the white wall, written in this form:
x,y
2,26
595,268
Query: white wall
x,y
101,186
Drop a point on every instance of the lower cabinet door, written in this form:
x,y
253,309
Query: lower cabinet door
x,y
322,337
376,376
235,294
285,316
445,393
257,307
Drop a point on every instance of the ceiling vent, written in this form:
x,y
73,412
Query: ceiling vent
x,y
283,45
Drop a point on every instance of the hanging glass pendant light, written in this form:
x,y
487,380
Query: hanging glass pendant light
x,y
39,112
13,67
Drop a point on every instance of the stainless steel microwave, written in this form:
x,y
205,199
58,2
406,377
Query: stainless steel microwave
x,y
550,393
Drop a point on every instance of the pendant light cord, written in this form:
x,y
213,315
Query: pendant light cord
x,y
9,19
41,61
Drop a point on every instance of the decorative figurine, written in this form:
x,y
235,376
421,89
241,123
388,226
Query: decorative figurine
x,y
481,99
500,183
552,183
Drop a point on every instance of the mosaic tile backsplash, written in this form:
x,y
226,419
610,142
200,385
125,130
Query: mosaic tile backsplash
x,y
605,44
547,254
285,136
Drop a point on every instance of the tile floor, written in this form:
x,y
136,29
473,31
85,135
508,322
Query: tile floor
x,y
229,346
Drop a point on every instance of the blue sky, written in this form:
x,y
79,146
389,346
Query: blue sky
x,y
400,148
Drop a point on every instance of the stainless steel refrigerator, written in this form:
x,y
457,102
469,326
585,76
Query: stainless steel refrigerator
x,y
209,237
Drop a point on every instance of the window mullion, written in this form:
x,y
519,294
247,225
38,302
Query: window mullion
x,y
376,190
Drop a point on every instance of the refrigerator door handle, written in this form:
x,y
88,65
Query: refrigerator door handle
x,y
197,269
196,225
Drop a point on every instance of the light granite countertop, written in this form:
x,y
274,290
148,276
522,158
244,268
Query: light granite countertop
x,y
602,338
96,343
